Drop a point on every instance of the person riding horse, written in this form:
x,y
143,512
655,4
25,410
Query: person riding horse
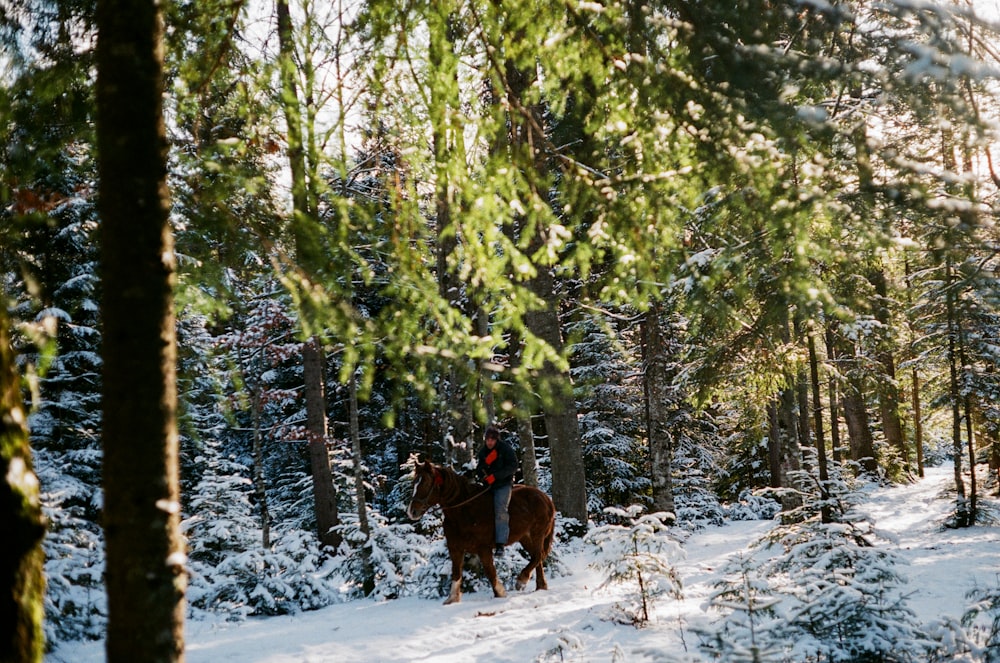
x,y
496,468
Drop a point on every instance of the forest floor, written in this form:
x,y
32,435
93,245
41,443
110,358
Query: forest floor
x,y
576,619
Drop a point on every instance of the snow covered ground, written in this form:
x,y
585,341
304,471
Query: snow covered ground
x,y
572,620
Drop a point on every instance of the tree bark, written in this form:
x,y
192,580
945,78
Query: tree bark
x,y
858,427
831,353
259,483
888,391
359,484
963,514
145,551
918,426
22,588
655,382
569,487
817,407
324,490
522,418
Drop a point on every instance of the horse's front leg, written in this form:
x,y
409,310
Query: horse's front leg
x,y
491,573
457,560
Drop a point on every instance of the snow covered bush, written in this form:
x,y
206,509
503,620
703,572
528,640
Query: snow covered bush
x,y
835,596
982,621
293,575
752,630
752,506
75,601
641,550
396,554
230,570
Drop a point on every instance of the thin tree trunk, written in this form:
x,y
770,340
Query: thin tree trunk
x,y
308,255
522,417
774,444
260,486
831,354
359,485
654,384
824,476
918,426
145,574
970,435
324,490
22,588
962,511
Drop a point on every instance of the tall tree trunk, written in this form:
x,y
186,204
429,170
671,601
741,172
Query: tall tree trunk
x,y
569,486
963,514
145,551
888,390
359,485
259,483
861,442
324,490
969,434
654,383
858,426
22,589
831,354
783,452
918,426
774,443
525,431
817,407
309,257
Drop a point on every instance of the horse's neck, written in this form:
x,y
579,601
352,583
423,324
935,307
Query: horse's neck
x,y
458,490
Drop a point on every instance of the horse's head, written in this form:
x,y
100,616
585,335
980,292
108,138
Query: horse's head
x,y
427,481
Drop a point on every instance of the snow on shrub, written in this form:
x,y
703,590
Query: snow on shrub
x,y
641,550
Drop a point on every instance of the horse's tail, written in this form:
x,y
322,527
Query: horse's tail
x,y
550,535
547,543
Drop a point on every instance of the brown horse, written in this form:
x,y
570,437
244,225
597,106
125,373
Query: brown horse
x,y
468,523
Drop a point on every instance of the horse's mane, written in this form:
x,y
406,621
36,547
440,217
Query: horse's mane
x,y
454,484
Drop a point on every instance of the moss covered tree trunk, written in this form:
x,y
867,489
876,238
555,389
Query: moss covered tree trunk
x,y
21,557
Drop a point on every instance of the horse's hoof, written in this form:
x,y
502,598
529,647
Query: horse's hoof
x,y
520,585
451,600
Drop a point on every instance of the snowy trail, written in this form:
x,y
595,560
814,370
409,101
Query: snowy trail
x,y
944,564
571,621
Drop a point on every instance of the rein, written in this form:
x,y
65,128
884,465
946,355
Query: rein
x,y
463,503
437,487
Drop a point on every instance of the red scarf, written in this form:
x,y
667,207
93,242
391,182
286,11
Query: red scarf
x,y
491,457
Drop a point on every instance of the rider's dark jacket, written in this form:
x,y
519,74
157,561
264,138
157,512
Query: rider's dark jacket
x,y
498,465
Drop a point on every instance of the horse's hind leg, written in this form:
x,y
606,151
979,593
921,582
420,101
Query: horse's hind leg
x,y
534,564
540,576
